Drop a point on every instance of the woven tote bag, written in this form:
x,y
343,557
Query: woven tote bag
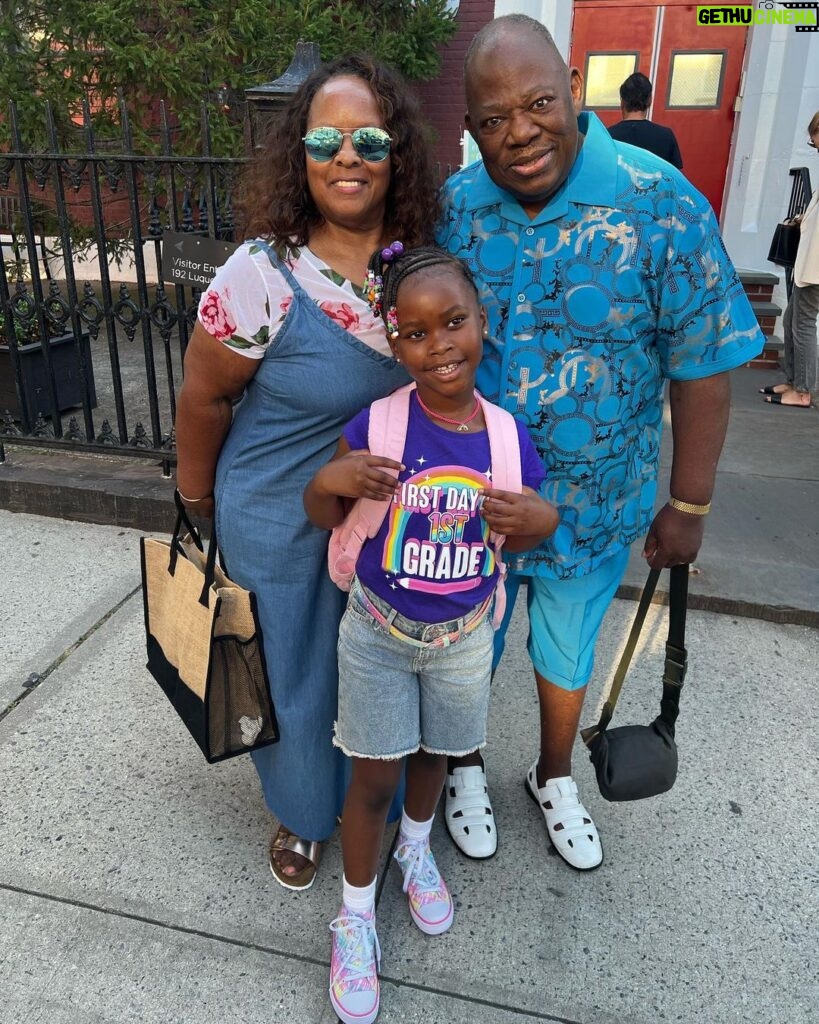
x,y
204,645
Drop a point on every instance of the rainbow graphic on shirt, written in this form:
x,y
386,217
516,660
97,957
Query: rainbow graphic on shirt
x,y
432,544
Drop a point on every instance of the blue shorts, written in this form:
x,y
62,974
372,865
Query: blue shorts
x,y
395,698
564,619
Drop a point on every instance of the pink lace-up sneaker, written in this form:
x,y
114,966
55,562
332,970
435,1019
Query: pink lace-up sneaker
x,y
430,904
354,989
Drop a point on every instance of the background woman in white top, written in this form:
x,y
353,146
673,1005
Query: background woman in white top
x,y
801,314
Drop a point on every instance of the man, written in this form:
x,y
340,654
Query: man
x,y
636,129
603,274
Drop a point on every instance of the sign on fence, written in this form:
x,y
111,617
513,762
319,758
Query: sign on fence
x,y
192,259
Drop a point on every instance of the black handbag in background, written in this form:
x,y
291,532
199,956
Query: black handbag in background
x,y
784,244
637,761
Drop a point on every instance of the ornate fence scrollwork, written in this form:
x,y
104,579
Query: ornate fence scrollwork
x,y
91,338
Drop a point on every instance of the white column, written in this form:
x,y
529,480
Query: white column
x,y
556,15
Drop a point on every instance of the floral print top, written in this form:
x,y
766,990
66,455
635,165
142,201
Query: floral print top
x,y
248,299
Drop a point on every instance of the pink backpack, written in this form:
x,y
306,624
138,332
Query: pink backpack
x,y
387,435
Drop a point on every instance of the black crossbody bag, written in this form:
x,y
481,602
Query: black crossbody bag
x,y
637,761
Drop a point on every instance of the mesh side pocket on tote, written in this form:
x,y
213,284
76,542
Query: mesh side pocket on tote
x,y
236,697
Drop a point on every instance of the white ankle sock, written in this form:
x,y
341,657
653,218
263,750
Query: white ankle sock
x,y
360,898
415,830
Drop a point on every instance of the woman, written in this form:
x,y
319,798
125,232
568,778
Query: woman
x,y
286,323
800,316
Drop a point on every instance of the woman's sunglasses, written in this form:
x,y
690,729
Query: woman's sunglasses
x,y
372,144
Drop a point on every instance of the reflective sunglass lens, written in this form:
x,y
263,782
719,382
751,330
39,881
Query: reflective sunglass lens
x,y
322,144
372,144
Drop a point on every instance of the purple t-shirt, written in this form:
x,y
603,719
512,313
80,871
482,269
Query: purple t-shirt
x,y
431,559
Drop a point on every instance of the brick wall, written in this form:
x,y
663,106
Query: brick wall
x,y
768,324
442,99
759,292
760,295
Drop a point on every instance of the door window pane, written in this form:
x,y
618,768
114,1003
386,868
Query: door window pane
x,y
605,73
696,79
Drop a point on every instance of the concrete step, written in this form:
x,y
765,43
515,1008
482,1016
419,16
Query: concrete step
x,y
765,308
758,277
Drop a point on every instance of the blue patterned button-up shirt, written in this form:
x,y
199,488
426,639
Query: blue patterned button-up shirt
x,y
621,280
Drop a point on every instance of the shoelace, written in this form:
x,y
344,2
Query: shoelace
x,y
417,866
353,958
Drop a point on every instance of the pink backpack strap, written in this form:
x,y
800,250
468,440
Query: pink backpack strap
x,y
386,436
389,419
504,447
507,475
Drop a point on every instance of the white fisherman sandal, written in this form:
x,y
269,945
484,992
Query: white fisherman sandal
x,y
568,823
468,812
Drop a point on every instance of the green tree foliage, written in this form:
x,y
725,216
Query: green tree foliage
x,y
187,52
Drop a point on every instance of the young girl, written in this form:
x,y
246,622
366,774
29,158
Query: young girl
x,y
415,644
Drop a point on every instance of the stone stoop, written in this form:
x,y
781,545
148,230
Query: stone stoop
x,y
759,286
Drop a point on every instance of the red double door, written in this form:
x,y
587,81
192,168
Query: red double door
x,y
695,70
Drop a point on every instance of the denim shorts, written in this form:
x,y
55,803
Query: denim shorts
x,y
395,698
565,617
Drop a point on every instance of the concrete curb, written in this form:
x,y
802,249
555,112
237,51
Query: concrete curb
x,y
88,488
782,614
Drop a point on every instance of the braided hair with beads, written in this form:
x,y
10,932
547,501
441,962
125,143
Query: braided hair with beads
x,y
390,266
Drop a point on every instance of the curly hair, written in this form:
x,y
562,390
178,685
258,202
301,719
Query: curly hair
x,y
391,275
275,202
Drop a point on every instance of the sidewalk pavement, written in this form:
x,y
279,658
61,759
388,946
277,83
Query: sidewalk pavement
x,y
133,876
760,555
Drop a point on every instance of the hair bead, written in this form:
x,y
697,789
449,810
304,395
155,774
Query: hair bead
x,y
389,266
388,253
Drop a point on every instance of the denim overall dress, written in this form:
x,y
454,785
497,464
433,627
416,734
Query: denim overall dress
x,y
313,379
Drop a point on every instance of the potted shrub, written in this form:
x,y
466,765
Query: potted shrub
x,y
64,363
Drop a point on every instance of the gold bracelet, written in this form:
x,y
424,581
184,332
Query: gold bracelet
x,y
686,506
192,501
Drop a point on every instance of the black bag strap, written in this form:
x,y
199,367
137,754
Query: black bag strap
x,y
676,656
675,653
183,519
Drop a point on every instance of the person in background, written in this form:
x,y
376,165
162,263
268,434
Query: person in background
x,y
285,326
636,129
603,275
799,321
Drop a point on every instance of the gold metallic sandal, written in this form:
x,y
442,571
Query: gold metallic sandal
x,y
284,839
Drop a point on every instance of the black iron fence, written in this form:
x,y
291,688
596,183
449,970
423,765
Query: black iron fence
x,y
91,338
